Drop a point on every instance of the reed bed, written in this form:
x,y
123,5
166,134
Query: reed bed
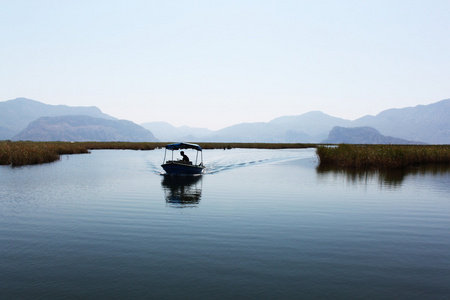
x,y
344,155
121,145
256,145
383,156
31,153
156,145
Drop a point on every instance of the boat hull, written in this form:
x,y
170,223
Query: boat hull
x,y
182,169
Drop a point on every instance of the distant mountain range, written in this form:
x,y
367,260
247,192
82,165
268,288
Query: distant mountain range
x,y
362,135
84,128
426,123
421,124
20,120
25,119
170,133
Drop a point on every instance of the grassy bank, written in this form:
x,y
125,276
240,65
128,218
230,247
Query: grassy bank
x,y
383,156
256,145
355,156
31,153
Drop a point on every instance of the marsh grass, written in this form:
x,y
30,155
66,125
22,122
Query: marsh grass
x,y
31,153
121,145
155,145
383,156
256,145
344,155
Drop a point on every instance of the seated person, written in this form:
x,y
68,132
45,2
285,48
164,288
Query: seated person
x,y
185,157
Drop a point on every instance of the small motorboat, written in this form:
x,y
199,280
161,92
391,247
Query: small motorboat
x,y
183,166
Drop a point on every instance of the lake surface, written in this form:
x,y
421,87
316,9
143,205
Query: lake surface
x,y
260,224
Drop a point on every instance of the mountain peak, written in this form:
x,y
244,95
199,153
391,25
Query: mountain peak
x,y
84,128
16,114
361,135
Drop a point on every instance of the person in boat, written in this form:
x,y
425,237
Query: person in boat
x,y
185,157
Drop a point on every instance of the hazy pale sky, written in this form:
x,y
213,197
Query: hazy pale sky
x,y
217,63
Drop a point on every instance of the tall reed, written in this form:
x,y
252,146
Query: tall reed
x,y
256,145
344,155
29,153
32,153
382,156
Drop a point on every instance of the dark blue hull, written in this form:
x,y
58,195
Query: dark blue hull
x,y
182,169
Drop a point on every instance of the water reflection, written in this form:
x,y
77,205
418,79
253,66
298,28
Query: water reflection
x,y
182,191
387,178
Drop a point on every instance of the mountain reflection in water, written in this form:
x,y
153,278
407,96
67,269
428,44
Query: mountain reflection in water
x,y
387,177
182,191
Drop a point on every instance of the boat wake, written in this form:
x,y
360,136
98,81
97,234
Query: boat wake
x,y
155,168
218,166
225,160
242,158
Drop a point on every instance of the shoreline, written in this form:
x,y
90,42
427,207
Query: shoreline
x,y
20,153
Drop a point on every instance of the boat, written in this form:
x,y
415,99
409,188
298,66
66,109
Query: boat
x,y
183,167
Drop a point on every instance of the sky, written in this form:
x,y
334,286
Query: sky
x,y
213,64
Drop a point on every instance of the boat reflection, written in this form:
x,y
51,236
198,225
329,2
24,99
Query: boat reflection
x,y
182,191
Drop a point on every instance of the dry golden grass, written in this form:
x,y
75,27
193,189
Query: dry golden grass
x,y
383,156
30,153
357,156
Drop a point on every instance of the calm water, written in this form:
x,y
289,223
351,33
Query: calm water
x,y
261,224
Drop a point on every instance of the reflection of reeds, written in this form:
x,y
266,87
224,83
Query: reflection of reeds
x,y
383,156
388,177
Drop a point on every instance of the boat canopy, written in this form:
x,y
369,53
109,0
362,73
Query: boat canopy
x,y
178,146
